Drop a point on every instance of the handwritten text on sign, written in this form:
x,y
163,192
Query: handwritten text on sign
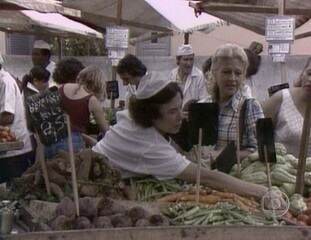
x,y
47,116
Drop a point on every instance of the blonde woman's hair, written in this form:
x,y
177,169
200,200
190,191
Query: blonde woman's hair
x,y
226,51
93,79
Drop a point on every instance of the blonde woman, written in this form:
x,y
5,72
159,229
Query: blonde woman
x,y
79,100
227,77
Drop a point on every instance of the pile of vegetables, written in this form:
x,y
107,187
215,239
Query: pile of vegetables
x,y
212,197
218,214
300,211
96,178
150,189
102,213
6,135
283,172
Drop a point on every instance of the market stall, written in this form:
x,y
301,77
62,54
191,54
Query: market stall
x,y
146,208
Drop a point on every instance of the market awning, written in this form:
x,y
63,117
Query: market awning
x,y
33,22
251,14
37,5
142,16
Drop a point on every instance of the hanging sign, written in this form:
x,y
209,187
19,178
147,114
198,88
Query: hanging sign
x,y
279,48
117,37
280,28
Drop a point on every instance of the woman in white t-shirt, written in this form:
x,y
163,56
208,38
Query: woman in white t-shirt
x,y
139,144
287,109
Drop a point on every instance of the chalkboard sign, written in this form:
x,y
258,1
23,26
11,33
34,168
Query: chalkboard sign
x,y
112,89
265,137
47,116
205,116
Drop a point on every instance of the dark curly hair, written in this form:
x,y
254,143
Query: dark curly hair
x,y
67,70
254,61
144,111
132,66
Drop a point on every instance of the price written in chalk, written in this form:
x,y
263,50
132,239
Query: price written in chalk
x,y
47,116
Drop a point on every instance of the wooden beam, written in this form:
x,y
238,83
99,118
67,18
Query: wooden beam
x,y
303,35
282,7
102,21
119,12
228,7
133,41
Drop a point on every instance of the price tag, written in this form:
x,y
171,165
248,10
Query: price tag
x,y
117,37
279,48
278,57
280,28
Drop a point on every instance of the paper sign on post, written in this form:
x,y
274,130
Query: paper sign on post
x,y
280,28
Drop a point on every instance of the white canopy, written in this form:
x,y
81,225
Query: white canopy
x,y
29,21
182,16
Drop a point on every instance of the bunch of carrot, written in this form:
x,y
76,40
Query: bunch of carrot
x,y
211,197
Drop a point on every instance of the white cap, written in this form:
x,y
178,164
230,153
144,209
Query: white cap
x,y
151,84
184,50
40,44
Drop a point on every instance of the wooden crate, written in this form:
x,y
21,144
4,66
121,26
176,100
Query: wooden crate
x,y
174,233
9,146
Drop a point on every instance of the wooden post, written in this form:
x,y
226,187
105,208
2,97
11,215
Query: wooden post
x,y
60,48
73,167
119,12
267,167
304,143
113,78
41,158
282,5
186,38
199,156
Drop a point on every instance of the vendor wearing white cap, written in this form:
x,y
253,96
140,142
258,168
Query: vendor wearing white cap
x,y
189,78
41,55
139,144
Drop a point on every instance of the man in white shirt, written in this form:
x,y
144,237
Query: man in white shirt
x,y
12,115
41,55
189,78
130,69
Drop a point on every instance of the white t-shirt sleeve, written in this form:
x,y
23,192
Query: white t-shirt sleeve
x,y
8,97
163,162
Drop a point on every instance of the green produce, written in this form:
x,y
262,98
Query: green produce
x,y
254,167
280,176
149,189
280,149
288,189
280,159
256,177
297,204
253,157
218,214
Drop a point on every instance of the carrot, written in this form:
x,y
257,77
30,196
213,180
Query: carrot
x,y
172,197
234,196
